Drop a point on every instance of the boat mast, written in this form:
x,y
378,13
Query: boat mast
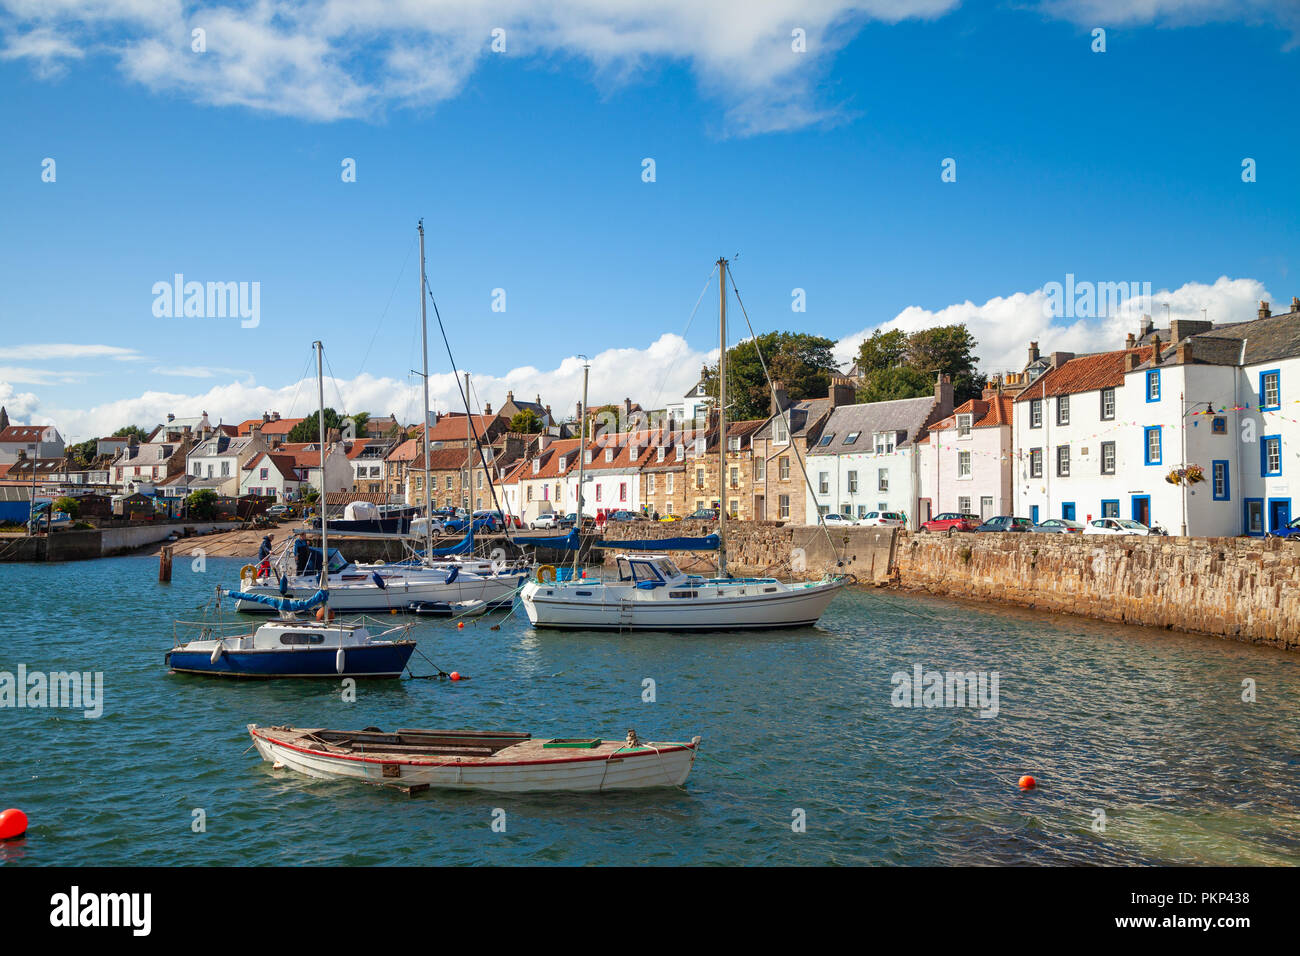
x,y
324,493
470,447
424,340
582,453
722,417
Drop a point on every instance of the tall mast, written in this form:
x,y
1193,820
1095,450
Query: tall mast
x,y
582,448
424,339
470,446
722,417
324,492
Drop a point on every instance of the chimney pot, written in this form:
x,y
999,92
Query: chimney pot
x,y
1295,303
1130,361
1130,341
1264,310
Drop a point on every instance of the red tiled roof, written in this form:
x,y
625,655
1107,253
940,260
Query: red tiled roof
x,y
280,426
1084,374
986,413
23,433
452,427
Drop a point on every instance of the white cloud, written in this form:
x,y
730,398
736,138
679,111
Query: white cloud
x,y
332,59
1005,325
47,50
69,350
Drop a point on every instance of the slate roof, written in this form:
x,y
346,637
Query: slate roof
x,y
805,417
903,415
1266,340
1086,373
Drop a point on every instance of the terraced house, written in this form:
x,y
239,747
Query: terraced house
x,y
781,442
966,459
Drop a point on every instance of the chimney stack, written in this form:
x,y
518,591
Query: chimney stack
x,y
1130,341
1155,349
487,409
943,393
1130,361
841,392
780,398
1033,353
1145,326
1183,352
1264,310
1295,303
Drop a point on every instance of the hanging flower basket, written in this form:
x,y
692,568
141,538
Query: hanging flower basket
x,y
1194,474
1174,478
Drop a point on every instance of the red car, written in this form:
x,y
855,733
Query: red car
x,y
951,521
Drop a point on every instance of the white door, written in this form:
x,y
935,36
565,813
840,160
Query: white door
x,y
986,508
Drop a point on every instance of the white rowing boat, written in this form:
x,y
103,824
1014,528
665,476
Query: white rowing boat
x,y
415,760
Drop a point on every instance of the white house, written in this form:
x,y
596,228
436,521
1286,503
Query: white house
x,y
36,441
273,475
966,459
866,459
217,462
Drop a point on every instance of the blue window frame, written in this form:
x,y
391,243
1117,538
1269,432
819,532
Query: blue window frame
x,y
1110,507
1067,510
1153,450
1153,385
1270,456
1270,390
1254,516
1220,481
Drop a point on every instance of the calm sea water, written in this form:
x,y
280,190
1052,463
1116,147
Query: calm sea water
x,y
1147,726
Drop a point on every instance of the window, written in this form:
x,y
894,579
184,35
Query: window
x,y
1063,410
826,439
735,477
760,469
1035,463
1036,413
1270,453
963,464
659,453
1108,458
650,484
668,507
853,482
622,491
1270,390
598,490
1218,425
1219,480
478,481
1153,385
733,508
681,452
1107,404
669,487
1063,461
699,477
263,473
1152,451
785,467
963,505
448,483
823,483
884,443
1110,508
784,502
609,455
781,432
1254,516
851,438
963,426
586,455
882,479
225,469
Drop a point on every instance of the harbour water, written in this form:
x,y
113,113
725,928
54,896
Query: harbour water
x,y
1149,727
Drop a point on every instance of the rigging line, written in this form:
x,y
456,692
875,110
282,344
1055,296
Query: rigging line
x,y
798,456
298,388
465,399
384,314
664,380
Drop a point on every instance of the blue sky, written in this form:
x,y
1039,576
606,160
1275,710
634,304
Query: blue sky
x,y
821,170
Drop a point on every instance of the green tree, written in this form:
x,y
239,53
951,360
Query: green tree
x,y
308,430
81,454
896,365
526,422
202,504
69,505
803,362
359,420
131,431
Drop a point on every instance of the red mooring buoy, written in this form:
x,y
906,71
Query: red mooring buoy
x,y
13,824
1027,782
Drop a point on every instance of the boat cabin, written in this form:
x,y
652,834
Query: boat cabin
x,y
647,571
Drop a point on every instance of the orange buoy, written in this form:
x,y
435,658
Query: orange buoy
x,y
460,623
1027,782
454,675
392,610
13,824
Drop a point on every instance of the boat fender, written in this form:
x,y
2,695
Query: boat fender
x,y
216,653
546,574
339,661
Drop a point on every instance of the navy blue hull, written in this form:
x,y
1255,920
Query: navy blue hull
x,y
380,660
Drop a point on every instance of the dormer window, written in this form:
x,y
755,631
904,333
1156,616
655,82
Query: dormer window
x,y
781,433
564,462
884,443
609,455
963,426
699,447
733,444
537,465
586,457
826,440
659,453
681,452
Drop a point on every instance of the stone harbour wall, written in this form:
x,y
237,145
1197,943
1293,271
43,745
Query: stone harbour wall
x,y
1243,588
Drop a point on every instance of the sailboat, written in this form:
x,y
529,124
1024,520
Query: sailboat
x,y
651,591
293,646
448,575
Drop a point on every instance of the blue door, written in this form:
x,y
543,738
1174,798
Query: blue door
x,y
1279,513
1033,514
1142,509
1067,510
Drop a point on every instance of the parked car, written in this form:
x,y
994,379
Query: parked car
x,y
951,521
1289,530
1006,523
670,517
882,519
625,516
703,514
1060,526
569,520
834,519
548,520
278,511
1120,526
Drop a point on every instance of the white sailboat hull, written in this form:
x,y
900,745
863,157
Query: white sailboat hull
x,y
606,768
724,607
365,595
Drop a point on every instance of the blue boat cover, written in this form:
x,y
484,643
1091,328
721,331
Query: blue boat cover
x,y
464,546
708,543
282,604
568,542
